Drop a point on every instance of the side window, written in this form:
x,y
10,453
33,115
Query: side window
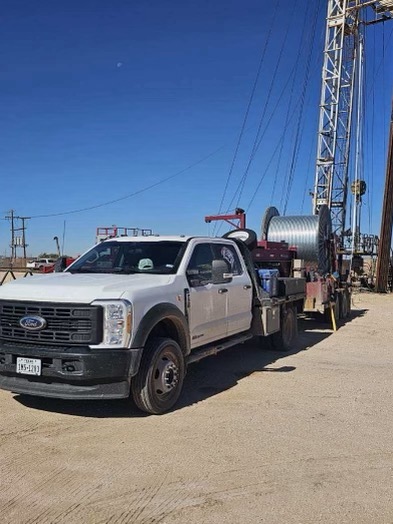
x,y
199,269
228,253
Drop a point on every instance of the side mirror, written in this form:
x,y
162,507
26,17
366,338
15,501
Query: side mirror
x,y
194,278
220,272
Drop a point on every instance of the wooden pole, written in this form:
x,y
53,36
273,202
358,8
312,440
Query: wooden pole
x,y
385,238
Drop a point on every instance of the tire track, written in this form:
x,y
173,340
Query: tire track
x,y
19,469
65,485
83,496
33,490
54,516
29,442
147,497
151,506
44,429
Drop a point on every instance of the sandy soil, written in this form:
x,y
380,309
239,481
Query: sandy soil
x,y
258,437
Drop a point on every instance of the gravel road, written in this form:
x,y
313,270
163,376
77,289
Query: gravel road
x,y
259,436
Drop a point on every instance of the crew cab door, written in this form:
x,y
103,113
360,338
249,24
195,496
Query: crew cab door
x,y
239,289
207,308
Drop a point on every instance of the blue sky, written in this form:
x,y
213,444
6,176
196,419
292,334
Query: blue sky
x,y
103,99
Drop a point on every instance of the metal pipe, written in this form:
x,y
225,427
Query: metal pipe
x,y
359,122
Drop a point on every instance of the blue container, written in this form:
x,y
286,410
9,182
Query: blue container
x,y
269,280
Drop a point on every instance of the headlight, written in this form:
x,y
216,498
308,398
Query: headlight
x,y
117,322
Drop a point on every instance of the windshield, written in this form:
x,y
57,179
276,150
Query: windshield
x,y
156,257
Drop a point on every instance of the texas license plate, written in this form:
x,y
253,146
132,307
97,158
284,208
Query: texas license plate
x,y
28,366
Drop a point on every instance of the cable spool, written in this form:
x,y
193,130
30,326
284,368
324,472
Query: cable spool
x,y
310,235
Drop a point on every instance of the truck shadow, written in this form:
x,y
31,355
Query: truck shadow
x,y
211,377
205,379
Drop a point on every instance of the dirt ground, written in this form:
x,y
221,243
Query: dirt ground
x,y
258,437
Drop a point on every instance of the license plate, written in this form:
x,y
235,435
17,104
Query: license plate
x,y
28,366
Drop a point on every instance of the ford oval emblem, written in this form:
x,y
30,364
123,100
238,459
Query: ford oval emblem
x,y
33,323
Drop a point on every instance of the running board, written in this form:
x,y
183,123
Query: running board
x,y
207,351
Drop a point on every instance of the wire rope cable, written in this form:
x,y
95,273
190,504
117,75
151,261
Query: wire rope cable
x,y
385,47
284,89
257,140
300,123
264,131
275,151
251,98
289,106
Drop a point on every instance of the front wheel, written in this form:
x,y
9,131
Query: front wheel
x,y
158,384
284,339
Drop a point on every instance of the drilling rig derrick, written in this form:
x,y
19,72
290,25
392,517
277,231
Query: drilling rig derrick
x,y
341,64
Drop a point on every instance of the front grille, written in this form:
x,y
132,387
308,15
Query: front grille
x,y
66,324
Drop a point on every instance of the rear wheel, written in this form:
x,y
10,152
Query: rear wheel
x,y
284,339
345,304
158,384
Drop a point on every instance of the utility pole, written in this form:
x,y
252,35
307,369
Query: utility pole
x,y
386,221
17,241
24,245
11,217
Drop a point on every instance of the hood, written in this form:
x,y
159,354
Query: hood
x,y
82,288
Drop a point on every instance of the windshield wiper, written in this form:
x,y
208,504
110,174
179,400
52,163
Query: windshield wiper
x,y
113,271
123,271
91,271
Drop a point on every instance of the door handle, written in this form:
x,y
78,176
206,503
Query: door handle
x,y
247,286
222,290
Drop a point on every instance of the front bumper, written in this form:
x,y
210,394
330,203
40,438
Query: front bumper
x,y
71,373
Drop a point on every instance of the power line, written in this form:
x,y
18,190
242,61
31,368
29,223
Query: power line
x,y
135,193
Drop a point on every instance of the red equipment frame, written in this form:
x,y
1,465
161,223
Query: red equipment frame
x,y
239,216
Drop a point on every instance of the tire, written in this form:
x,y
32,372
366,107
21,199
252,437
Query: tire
x,y
158,384
345,304
247,236
284,339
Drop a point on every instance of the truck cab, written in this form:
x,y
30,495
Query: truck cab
x,y
129,316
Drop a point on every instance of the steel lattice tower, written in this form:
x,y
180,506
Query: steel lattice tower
x,y
338,79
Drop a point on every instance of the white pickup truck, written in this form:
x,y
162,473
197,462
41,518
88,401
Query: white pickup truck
x,y
129,315
40,263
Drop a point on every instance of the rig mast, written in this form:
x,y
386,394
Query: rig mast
x,y
344,19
